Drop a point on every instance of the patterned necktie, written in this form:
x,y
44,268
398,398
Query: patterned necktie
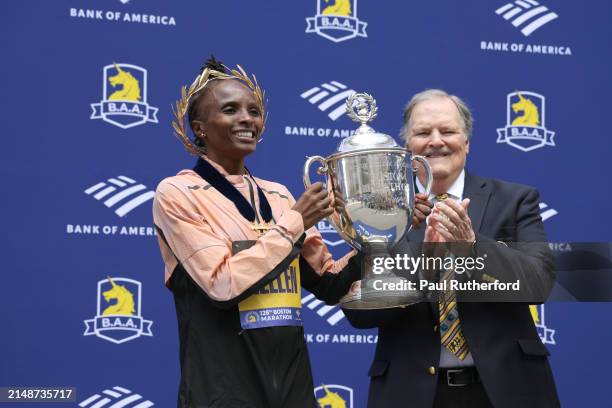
x,y
451,335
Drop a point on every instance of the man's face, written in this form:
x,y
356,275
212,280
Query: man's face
x,y
436,132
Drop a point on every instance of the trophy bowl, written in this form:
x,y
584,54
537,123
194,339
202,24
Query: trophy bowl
x,y
373,178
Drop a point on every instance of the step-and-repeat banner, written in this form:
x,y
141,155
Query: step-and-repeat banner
x,y
88,88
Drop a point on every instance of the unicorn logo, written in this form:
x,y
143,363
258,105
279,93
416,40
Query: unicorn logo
x,y
124,97
326,398
331,400
252,317
339,8
337,22
530,116
535,315
547,336
525,122
130,90
118,318
125,300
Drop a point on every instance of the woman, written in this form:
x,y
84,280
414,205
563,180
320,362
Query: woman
x,y
236,251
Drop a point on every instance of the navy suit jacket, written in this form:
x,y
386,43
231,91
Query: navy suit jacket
x,y
510,358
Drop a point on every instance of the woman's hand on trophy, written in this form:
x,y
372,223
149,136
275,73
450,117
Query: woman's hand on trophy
x,y
422,208
314,205
339,204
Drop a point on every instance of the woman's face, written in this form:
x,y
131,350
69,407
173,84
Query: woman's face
x,y
231,120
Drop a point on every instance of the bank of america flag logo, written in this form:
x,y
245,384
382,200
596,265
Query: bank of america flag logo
x,y
333,314
528,15
329,97
546,212
116,397
121,193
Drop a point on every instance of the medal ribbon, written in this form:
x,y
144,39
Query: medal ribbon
x,y
220,183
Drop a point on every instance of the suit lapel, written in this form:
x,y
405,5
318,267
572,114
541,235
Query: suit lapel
x,y
478,191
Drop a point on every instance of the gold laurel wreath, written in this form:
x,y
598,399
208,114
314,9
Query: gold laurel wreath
x,y
182,105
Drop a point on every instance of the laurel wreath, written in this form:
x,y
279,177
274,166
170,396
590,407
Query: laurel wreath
x,y
182,105
372,109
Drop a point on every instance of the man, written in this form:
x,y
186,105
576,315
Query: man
x,y
465,354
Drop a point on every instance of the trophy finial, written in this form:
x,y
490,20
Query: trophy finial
x,y
361,108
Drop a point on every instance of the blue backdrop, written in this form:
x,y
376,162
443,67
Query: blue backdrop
x,y
79,169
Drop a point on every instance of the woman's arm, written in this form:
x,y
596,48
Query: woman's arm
x,y
207,257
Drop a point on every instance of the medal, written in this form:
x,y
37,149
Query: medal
x,y
260,227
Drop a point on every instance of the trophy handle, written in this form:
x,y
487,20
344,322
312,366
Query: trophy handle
x,y
425,164
320,171
334,219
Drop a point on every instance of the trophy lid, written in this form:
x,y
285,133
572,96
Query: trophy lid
x,y
361,108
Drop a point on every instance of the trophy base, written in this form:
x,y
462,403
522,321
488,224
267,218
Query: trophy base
x,y
369,297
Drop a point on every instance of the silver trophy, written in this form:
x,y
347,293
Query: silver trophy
x,y
373,178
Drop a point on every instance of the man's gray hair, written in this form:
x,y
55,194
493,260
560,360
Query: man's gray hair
x,y
428,94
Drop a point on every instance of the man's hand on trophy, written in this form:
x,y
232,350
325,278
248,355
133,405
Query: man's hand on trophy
x,y
422,208
355,289
314,205
450,219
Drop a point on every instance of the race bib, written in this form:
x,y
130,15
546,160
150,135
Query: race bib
x,y
276,304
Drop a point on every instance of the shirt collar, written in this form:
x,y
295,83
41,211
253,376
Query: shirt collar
x,y
455,191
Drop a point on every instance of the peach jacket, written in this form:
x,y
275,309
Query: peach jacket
x,y
200,224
